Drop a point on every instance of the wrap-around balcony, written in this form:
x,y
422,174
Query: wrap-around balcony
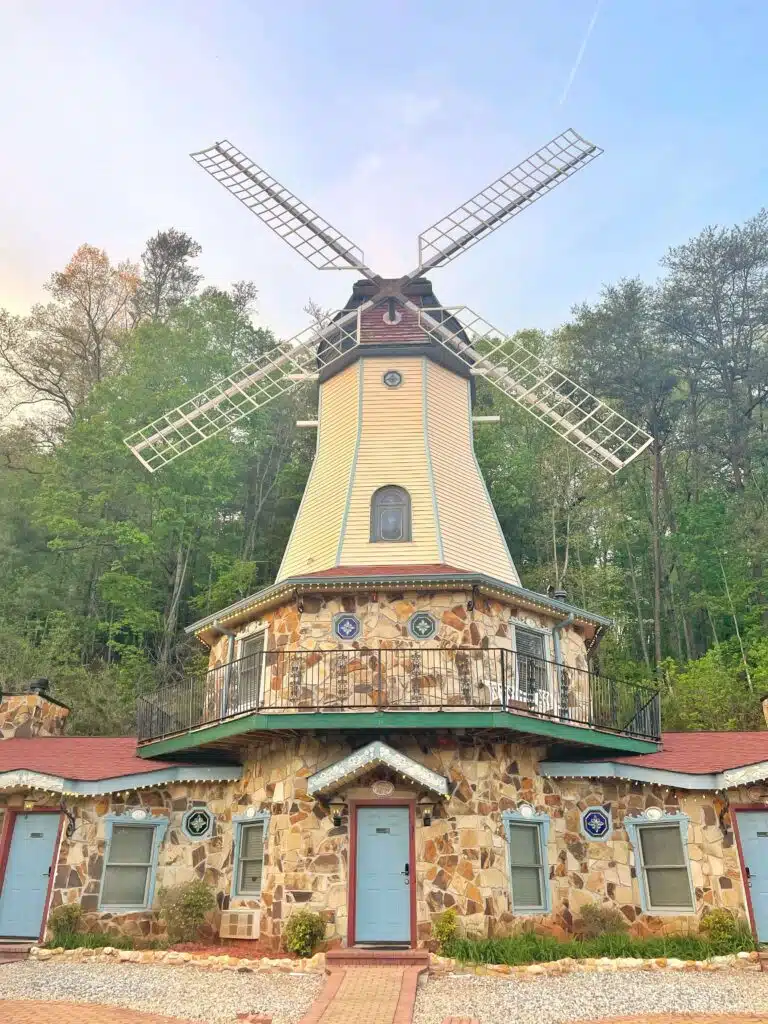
x,y
397,680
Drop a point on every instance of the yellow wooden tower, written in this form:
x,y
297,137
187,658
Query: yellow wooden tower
x,y
395,481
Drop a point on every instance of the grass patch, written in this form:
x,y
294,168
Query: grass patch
x,y
98,940
528,948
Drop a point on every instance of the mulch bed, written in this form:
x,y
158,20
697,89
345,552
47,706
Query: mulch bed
x,y
249,950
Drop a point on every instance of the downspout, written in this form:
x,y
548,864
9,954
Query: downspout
x,y
230,659
556,630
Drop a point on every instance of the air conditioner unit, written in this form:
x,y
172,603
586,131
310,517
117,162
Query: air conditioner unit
x,y
239,924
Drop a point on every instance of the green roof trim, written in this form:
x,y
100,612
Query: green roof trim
x,y
397,721
263,598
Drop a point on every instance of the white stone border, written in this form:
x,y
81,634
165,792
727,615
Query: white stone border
x,y
171,958
441,965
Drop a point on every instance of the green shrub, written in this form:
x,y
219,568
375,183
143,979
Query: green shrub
x,y
304,931
98,940
184,909
601,919
527,947
719,926
444,928
65,921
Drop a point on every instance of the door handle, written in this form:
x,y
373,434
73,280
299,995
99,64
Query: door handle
x,y
406,873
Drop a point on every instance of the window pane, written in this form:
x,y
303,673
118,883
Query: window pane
x,y
526,887
524,844
131,844
662,844
391,523
252,842
250,876
529,642
124,887
668,887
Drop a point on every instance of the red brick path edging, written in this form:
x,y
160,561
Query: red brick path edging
x,y
30,1011
363,995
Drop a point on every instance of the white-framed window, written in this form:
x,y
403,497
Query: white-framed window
x,y
527,836
662,866
248,858
130,862
243,685
533,675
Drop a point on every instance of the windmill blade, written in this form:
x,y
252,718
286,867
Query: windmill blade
x,y
599,432
503,199
295,222
270,375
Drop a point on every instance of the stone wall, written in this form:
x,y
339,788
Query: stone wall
x,y
31,714
461,856
436,677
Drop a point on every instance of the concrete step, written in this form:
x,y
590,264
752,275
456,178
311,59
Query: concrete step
x,y
371,957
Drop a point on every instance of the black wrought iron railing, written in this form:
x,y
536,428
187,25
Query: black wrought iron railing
x,y
400,679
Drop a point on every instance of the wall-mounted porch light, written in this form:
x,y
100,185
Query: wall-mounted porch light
x,y
337,806
427,807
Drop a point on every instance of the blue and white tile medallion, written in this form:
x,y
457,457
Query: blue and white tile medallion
x,y
596,823
346,627
422,626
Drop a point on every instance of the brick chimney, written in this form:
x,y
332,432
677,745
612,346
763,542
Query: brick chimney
x,y
34,713
765,708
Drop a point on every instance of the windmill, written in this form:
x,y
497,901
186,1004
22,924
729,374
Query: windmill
x,y
584,421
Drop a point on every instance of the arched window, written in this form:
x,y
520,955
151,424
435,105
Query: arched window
x,y
390,514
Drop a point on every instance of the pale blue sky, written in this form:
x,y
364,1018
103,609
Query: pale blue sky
x,y
383,117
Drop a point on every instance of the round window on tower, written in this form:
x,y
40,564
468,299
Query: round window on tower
x,y
393,378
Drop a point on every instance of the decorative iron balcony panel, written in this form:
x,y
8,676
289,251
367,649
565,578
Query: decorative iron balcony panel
x,y
400,679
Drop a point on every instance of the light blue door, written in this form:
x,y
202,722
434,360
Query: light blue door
x,y
753,833
383,892
27,874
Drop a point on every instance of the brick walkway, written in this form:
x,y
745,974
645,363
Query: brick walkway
x,y
29,1011
366,995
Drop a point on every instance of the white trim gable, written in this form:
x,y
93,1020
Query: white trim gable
x,y
375,753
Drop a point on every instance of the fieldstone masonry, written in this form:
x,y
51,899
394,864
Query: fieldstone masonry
x,y
25,715
461,855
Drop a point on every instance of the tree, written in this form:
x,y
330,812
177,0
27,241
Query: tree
x,y
167,277
55,356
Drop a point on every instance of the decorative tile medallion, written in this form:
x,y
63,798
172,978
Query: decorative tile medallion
x,y
422,626
346,627
198,823
596,823
393,378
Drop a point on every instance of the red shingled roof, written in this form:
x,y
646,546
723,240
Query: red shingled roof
x,y
700,753
85,758
436,569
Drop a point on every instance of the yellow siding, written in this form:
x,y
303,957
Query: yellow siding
x,y
392,451
471,535
315,536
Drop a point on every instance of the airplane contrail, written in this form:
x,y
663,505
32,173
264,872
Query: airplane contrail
x,y
580,54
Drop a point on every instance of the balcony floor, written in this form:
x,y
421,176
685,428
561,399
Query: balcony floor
x,y
219,733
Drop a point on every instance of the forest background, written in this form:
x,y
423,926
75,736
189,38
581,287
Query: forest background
x,y
103,564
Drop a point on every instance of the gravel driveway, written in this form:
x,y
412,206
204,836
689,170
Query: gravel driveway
x,y
588,996
213,997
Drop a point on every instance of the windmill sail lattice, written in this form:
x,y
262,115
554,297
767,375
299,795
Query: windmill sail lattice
x,y
295,222
275,373
504,198
603,435
599,432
